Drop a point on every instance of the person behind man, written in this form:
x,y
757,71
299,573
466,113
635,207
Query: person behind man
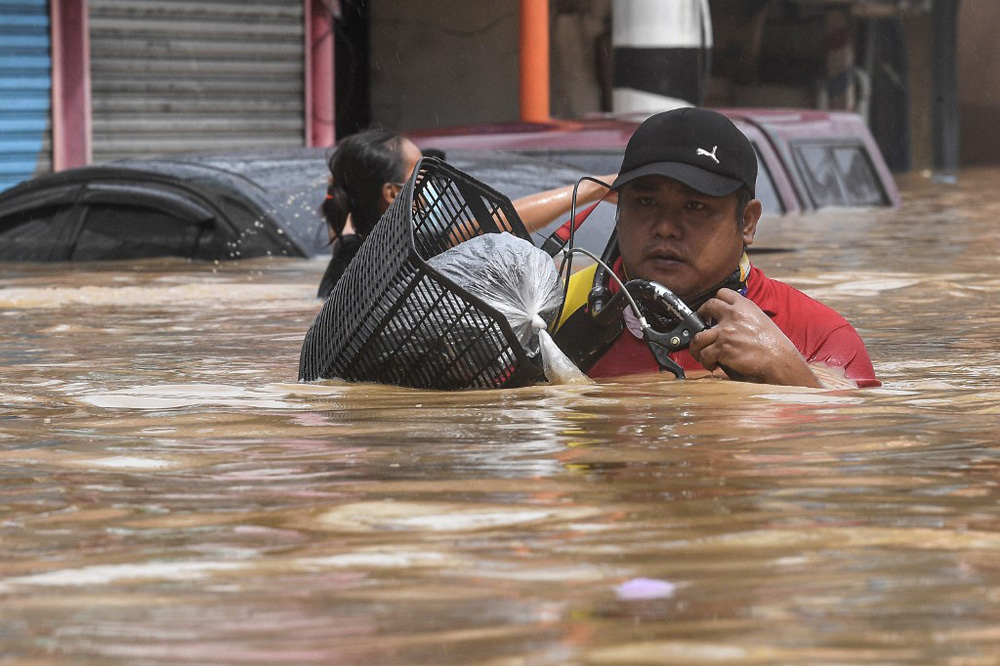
x,y
367,172
686,214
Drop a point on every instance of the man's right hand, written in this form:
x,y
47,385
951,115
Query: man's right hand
x,y
746,341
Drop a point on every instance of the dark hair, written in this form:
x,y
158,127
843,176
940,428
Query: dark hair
x,y
743,198
361,165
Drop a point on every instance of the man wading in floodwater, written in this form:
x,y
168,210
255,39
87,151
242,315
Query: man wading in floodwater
x,y
686,214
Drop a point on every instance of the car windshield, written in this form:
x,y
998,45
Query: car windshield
x,y
838,174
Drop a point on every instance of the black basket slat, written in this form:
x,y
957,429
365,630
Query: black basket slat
x,y
394,319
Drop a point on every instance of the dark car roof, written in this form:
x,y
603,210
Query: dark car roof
x,y
259,203
288,185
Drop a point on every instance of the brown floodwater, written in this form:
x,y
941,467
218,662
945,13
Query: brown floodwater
x,y
170,494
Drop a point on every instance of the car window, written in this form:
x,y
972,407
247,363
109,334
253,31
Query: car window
x,y
765,192
838,174
43,233
112,231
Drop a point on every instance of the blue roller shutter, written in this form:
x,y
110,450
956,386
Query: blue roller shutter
x,y
25,90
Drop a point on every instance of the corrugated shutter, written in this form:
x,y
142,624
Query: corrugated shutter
x,y
25,90
170,76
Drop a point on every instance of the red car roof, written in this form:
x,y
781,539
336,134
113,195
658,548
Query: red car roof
x,y
771,130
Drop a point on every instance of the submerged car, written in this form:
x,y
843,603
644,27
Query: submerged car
x,y
198,206
214,207
807,159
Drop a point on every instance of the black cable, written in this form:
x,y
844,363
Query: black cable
x,y
567,262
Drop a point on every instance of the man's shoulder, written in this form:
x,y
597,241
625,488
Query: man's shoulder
x,y
781,300
821,334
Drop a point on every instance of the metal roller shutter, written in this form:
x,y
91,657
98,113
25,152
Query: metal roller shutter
x,y
25,90
170,76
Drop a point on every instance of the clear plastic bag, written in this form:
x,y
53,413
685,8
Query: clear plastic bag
x,y
559,369
519,281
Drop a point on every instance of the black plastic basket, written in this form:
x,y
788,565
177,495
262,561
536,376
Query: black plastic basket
x,y
393,319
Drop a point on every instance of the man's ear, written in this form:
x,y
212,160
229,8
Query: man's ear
x,y
748,224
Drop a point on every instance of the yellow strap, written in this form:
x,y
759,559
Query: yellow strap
x,y
580,284
744,267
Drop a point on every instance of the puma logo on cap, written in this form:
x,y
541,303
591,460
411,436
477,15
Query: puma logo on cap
x,y
702,151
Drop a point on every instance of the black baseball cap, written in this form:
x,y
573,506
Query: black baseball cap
x,y
701,148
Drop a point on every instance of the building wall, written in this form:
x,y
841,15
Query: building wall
x,y
978,82
440,62
919,37
581,64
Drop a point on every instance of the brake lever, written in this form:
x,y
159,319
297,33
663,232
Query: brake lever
x,y
664,344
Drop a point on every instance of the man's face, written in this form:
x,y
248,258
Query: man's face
x,y
685,240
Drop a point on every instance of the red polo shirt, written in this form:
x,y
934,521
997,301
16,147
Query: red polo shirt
x,y
819,333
